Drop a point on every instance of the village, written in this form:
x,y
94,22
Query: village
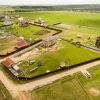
x,y
44,39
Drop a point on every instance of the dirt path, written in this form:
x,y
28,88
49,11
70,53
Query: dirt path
x,y
15,89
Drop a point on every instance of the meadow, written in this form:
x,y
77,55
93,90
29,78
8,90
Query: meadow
x,y
78,18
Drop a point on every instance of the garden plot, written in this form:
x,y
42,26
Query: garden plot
x,y
51,59
7,43
83,35
30,32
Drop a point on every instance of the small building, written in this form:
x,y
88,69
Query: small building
x,y
8,63
7,21
97,44
20,44
15,67
22,22
50,41
40,21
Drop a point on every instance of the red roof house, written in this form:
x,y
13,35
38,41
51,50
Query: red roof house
x,y
8,63
20,44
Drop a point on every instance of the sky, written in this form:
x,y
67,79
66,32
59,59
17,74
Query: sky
x,y
47,2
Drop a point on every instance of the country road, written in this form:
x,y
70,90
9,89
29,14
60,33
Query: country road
x,y
15,89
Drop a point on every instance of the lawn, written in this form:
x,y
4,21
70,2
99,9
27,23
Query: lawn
x,y
76,87
27,32
87,36
4,93
51,60
67,88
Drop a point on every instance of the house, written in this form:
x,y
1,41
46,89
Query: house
x,y
8,63
22,22
7,21
20,44
49,41
40,21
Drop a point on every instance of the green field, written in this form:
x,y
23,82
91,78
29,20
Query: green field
x,y
51,60
79,18
84,34
76,87
4,93
27,32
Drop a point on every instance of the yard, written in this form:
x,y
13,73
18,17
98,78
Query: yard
x,y
50,60
7,43
84,35
29,33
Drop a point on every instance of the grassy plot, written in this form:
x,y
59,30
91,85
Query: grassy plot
x,y
92,85
51,60
80,18
76,87
4,93
64,89
7,42
27,32
87,36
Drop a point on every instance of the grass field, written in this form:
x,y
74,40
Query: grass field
x,y
87,36
51,60
79,18
76,87
27,32
4,93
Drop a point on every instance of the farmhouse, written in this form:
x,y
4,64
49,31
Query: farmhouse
x,y
8,63
49,41
7,21
40,21
20,44
22,22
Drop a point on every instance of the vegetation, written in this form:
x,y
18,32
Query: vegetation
x,y
51,60
76,87
4,93
79,18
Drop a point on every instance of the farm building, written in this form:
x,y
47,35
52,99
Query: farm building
x,y
97,44
7,21
50,41
20,44
40,21
10,64
22,22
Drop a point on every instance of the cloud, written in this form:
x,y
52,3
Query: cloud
x,y
47,2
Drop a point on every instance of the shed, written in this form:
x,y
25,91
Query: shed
x,y
15,67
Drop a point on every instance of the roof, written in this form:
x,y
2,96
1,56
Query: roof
x,y
50,38
8,63
20,44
